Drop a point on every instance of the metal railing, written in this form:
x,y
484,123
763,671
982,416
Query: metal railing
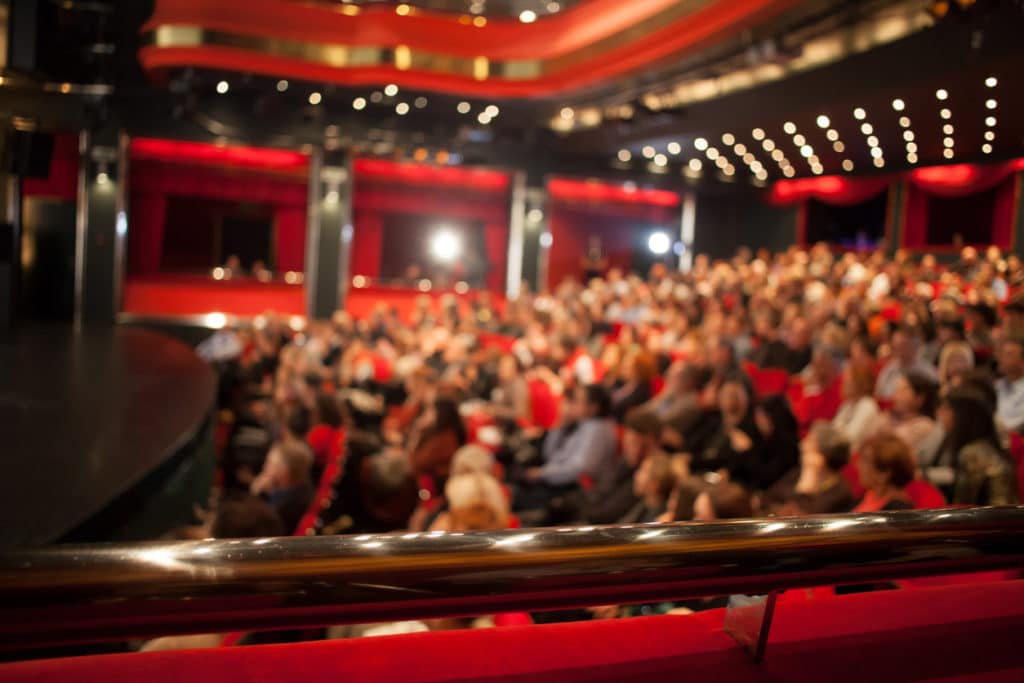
x,y
67,594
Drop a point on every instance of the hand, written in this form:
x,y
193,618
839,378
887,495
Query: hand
x,y
740,440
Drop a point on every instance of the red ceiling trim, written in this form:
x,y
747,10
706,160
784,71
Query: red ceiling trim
x,y
477,179
205,154
592,191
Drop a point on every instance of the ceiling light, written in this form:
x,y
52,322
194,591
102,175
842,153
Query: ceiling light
x,y
941,94
911,147
390,89
483,118
462,107
789,127
990,121
696,164
740,149
527,16
866,128
660,160
420,102
768,145
401,108
624,155
817,170
898,104
991,82
314,98
761,175
748,158
879,162
756,166
728,170
838,146
222,87
674,148
905,122
945,113
948,153
359,103
728,139
847,165
911,158
947,142
990,135
757,134
567,113
813,160
876,152
648,152
701,144
402,10
491,110
479,22
376,96
282,85
712,153
721,162
807,150
908,135
799,140
872,141
777,155
990,104
553,7
986,148
659,243
859,114
823,121
947,129
789,172
832,134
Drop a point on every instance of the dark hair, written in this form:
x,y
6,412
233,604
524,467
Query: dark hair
x,y
328,411
643,422
730,501
912,331
698,375
925,388
784,424
972,418
298,421
245,517
981,381
832,445
448,418
597,395
890,454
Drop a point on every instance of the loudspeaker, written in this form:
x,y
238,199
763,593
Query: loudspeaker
x,y
30,154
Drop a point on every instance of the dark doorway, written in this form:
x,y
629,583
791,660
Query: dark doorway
x,y
47,289
201,233
407,241
860,226
969,217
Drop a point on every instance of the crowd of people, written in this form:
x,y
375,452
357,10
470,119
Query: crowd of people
x,y
802,382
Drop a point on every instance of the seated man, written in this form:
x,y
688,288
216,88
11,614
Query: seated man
x,y
285,481
584,444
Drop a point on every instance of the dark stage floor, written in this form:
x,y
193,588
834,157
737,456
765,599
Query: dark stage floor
x,y
87,416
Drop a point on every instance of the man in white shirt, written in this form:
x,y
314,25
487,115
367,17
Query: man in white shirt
x,y
1010,387
906,356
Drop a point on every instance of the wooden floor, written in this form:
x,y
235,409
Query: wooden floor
x,y
84,417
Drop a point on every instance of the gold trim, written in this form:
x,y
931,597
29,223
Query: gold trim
x,y
404,58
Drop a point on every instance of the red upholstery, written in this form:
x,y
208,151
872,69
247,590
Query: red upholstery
x,y
496,341
809,408
850,474
543,404
324,489
958,633
924,496
766,381
1017,453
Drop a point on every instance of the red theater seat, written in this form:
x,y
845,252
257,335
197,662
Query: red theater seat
x,y
543,404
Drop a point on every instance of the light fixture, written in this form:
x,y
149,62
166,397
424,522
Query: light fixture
x,y
729,170
314,98
823,121
462,107
847,165
945,113
905,122
359,103
659,243
898,104
701,144
789,171
376,96
879,162
817,170
777,155
402,10
832,134
712,153
567,113
947,142
839,146
806,150
222,87
546,240
941,94
483,118
761,175
282,85
876,152
445,245
624,155
740,149
990,104
768,145
648,152
102,178
728,139
986,148
908,135
872,141
866,128
911,158
696,165
492,110
911,147
748,158
990,135
991,82
420,102
390,89
799,140
534,216
402,108
527,16
859,114
990,121
947,129
789,127
948,153
813,160
721,162
757,134
660,160
674,148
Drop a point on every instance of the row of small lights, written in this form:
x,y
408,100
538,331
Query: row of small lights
x,y
527,16
484,117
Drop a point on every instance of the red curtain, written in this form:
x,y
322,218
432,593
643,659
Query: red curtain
x,y
1002,215
915,218
290,240
836,190
367,243
496,244
961,180
146,232
918,208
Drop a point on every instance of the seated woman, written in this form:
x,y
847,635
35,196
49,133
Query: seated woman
x,y
435,437
510,400
736,436
722,501
758,469
858,412
285,481
984,473
912,415
476,502
816,487
653,482
634,388
885,467
955,360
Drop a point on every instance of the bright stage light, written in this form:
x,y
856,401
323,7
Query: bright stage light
x,y
445,245
659,243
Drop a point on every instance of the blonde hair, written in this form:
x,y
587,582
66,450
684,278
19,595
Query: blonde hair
x,y
472,458
950,349
477,502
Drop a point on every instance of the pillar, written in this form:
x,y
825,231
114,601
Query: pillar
x,y
329,233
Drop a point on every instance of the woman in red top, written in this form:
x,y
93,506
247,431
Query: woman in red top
x,y
885,467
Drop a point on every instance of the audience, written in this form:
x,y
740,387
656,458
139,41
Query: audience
x,y
885,467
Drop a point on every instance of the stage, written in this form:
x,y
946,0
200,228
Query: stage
x,y
105,433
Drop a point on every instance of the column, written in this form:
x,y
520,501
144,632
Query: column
x,y
329,234
101,224
895,212
687,229
516,234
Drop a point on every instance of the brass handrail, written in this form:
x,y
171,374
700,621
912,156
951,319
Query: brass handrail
x,y
66,594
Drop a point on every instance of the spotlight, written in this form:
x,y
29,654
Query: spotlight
x,y
879,162
904,122
847,165
898,105
990,104
462,107
948,153
314,98
402,108
990,121
648,152
990,136
696,165
866,128
701,144
945,113
838,146
659,243
660,160
789,127
986,148
859,114
728,139
947,129
799,140
282,85
991,82
390,89
823,121
359,103
757,134
872,141
445,245
941,94
491,110
832,134
222,87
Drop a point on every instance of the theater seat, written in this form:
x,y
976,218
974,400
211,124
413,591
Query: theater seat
x,y
543,404
924,496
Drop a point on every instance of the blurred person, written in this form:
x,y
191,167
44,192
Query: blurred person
x,y
859,411
476,502
906,348
653,482
638,371
1010,386
912,416
726,500
885,467
778,451
955,359
435,437
510,400
285,482
817,485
